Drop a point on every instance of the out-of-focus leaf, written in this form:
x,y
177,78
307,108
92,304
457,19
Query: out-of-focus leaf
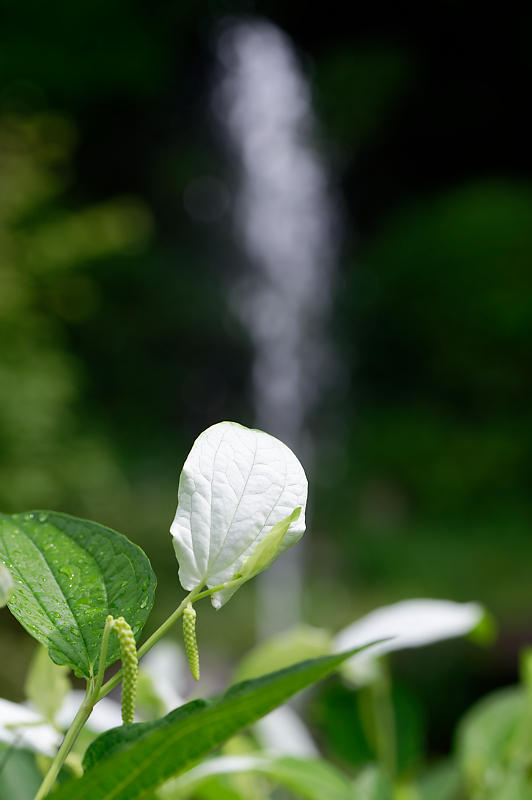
x,y
69,575
6,585
216,788
485,632
149,703
335,712
525,668
284,649
312,779
47,684
490,738
372,784
397,711
442,782
146,755
19,775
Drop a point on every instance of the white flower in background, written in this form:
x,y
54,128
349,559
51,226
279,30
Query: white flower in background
x,y
410,623
22,727
236,485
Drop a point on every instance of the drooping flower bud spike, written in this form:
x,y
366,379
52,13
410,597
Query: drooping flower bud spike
x,y
130,668
189,635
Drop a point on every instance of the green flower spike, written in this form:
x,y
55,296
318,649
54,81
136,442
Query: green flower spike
x,y
130,667
189,635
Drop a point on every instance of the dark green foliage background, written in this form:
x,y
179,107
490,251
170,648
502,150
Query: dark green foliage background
x,y
117,344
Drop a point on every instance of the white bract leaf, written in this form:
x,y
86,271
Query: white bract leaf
x,y
236,484
410,623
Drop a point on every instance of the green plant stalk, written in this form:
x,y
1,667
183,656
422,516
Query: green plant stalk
x,y
95,690
84,712
378,720
384,717
71,735
154,638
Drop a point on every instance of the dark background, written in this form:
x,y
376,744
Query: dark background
x,y
118,346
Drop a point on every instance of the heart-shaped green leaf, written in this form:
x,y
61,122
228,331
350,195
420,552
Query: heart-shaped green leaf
x,y
126,762
69,574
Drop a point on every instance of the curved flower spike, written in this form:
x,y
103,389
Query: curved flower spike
x,y
410,623
236,485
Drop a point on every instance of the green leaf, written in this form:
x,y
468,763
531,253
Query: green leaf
x,y
147,754
267,549
283,650
372,784
485,631
442,782
69,575
46,685
491,735
19,776
6,585
217,788
525,668
309,778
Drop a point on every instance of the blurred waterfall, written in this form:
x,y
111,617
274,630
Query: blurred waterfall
x,y
286,224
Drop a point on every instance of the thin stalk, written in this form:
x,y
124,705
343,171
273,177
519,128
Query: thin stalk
x,y
70,737
378,719
228,585
95,690
154,638
384,720
84,712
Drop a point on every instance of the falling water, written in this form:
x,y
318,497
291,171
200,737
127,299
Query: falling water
x,y
286,222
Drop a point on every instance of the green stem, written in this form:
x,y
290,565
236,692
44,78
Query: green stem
x,y
378,719
84,712
154,638
228,585
384,718
70,737
95,690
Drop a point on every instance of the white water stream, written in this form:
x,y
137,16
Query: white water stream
x,y
286,224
